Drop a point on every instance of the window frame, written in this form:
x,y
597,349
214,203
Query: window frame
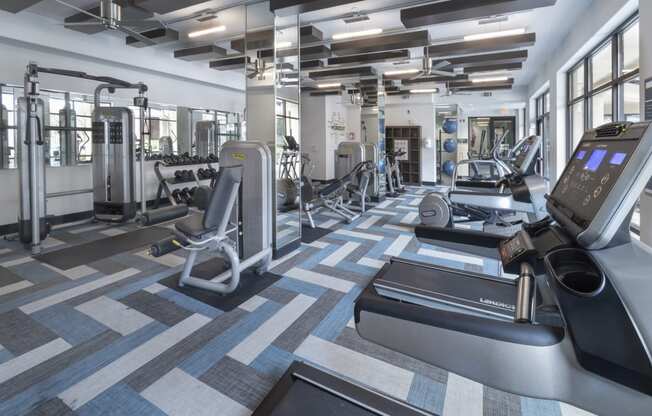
x,y
616,84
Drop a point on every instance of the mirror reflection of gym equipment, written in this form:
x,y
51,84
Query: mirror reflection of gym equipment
x,y
280,207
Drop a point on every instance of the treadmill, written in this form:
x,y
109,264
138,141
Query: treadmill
x,y
521,159
574,326
307,391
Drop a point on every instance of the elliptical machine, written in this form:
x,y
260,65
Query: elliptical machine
x,y
488,200
393,173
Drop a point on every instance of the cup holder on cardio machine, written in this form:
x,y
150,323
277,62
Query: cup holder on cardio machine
x,y
576,272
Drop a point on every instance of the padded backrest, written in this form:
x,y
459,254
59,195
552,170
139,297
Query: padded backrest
x,y
222,200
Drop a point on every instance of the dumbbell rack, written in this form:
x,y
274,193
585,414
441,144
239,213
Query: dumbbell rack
x,y
168,182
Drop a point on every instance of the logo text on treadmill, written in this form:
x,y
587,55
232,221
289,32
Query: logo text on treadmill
x,y
498,304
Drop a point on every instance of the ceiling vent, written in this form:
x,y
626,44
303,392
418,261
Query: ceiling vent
x,y
487,94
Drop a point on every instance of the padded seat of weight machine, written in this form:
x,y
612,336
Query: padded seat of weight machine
x,y
193,227
331,188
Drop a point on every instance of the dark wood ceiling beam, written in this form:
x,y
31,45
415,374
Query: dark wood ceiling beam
x,y
368,58
501,58
314,64
361,71
485,88
493,68
227,64
308,53
200,53
286,7
15,6
481,46
471,84
381,43
457,10
310,34
160,36
255,40
425,80
166,6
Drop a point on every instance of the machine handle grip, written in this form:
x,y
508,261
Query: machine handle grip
x,y
524,295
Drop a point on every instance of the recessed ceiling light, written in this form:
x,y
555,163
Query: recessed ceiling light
x,y
424,91
285,44
489,79
403,72
208,31
331,85
492,35
349,35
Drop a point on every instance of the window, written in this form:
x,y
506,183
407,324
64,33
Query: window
x,y
543,131
604,86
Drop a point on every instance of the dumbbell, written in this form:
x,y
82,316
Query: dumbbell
x,y
176,195
179,175
201,173
185,196
212,172
212,158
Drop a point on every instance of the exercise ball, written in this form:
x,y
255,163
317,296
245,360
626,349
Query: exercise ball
x,y
448,167
450,145
449,126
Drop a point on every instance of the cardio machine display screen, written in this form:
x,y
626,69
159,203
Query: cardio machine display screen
x,y
590,176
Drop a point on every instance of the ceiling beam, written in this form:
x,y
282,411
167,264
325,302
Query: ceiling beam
x,y
15,6
255,40
360,71
457,10
310,34
314,64
486,59
287,7
368,58
485,88
227,64
471,84
493,68
381,43
481,46
318,93
308,53
200,53
166,6
160,35
424,80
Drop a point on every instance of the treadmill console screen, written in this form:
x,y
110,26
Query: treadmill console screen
x,y
590,175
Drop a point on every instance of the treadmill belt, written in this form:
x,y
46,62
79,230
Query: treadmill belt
x,y
305,399
433,286
71,257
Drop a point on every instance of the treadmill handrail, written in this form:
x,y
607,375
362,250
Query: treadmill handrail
x,y
537,335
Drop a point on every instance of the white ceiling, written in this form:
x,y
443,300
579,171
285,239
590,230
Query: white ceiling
x,y
563,15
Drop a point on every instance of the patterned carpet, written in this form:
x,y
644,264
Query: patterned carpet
x,y
106,339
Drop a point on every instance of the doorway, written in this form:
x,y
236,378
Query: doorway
x,y
484,131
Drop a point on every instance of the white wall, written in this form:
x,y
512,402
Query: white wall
x,y
320,138
416,110
602,17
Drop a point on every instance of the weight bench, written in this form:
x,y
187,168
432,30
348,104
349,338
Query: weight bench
x,y
210,231
331,196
